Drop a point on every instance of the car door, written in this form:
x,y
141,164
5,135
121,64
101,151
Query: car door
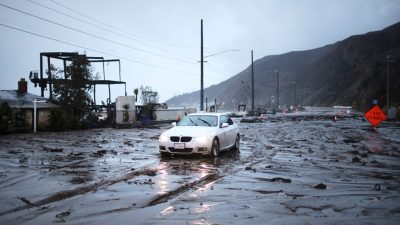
x,y
223,139
231,132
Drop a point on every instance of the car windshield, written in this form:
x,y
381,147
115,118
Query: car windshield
x,y
199,120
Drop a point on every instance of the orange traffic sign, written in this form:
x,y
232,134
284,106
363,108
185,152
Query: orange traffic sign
x,y
375,116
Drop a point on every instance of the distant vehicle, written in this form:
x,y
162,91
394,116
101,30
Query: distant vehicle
x,y
200,133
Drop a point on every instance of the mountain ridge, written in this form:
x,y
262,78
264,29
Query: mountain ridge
x,y
349,72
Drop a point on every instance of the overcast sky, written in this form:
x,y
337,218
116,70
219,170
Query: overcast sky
x,y
158,41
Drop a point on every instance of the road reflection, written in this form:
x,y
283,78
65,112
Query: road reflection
x,y
179,171
204,208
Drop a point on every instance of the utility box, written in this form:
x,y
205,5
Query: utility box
x,y
125,109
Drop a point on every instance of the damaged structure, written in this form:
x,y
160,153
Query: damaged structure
x,y
42,81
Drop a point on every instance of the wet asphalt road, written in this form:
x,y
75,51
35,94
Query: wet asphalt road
x,y
291,169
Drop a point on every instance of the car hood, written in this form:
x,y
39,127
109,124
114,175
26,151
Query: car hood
x,y
192,131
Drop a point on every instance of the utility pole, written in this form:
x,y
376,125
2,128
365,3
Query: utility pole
x,y
202,65
201,68
295,94
277,89
206,104
302,95
252,84
388,61
387,83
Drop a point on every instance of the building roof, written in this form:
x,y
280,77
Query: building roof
x,y
24,100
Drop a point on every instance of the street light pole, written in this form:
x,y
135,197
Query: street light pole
x,y
388,61
277,89
252,83
295,94
201,69
202,65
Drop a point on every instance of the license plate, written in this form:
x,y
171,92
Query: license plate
x,y
179,145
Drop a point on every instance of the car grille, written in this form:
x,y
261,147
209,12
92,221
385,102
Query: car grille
x,y
174,139
180,150
181,139
186,139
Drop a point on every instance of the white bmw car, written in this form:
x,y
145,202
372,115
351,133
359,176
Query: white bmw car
x,y
200,133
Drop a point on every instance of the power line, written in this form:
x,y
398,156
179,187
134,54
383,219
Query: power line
x,y
106,29
91,49
92,35
223,63
218,70
95,50
118,33
221,68
116,28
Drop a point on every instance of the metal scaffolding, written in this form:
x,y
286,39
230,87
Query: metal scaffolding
x,y
42,81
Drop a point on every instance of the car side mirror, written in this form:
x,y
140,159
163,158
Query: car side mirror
x,y
223,125
173,124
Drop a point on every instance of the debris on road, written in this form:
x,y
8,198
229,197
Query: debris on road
x,y
52,149
320,186
109,176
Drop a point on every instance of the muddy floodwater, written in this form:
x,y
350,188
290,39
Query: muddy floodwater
x,y
300,168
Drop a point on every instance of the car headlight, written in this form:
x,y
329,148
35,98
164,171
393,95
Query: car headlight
x,y
202,139
163,138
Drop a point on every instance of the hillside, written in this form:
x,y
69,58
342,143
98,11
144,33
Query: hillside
x,y
349,72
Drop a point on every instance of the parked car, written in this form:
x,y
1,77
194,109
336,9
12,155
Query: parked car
x,y
200,133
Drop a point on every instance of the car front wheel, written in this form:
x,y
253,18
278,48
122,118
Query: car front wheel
x,y
237,142
215,148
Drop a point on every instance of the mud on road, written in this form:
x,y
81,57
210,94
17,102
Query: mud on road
x,y
291,169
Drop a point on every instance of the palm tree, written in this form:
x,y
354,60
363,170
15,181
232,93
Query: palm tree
x,y
136,92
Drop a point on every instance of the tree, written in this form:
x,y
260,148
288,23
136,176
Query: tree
x,y
136,92
149,99
148,96
6,117
73,92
